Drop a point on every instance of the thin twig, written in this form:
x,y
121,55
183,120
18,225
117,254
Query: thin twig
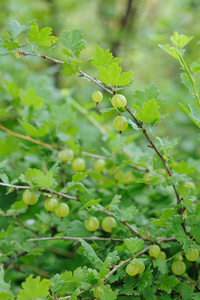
x,y
93,238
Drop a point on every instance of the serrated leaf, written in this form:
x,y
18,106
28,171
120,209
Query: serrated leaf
x,y
149,112
150,92
108,114
103,59
43,37
73,186
149,293
146,280
192,112
180,234
161,264
33,131
180,40
108,294
3,51
15,29
33,288
71,68
133,125
10,44
166,215
170,50
186,290
30,98
73,41
112,75
76,228
195,66
105,268
168,283
133,245
80,176
185,79
44,181
90,254
4,287
91,203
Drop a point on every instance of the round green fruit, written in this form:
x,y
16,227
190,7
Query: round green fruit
x,y
51,204
119,175
178,267
29,197
99,165
97,291
132,270
92,224
62,210
120,123
108,223
154,251
66,155
78,164
162,255
192,255
118,101
97,96
141,267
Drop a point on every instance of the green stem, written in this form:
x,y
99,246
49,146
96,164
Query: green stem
x,y
185,67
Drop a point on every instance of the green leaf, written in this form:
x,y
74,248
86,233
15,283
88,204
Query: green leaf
x,y
192,112
91,255
15,29
103,59
33,288
133,245
186,290
180,234
185,79
195,66
10,44
42,38
180,40
29,98
166,215
149,112
108,294
80,176
3,51
38,178
73,186
73,42
77,229
71,68
151,92
146,280
108,114
105,268
91,203
33,131
149,293
133,125
4,287
161,264
112,75
167,283
170,50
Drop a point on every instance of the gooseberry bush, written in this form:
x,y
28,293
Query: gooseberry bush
x,y
86,213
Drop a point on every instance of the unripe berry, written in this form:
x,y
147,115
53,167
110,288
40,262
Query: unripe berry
x,y
108,223
118,101
162,255
119,175
120,123
99,165
97,96
141,268
66,155
154,251
97,291
62,210
78,164
178,267
192,255
92,224
29,197
132,270
51,204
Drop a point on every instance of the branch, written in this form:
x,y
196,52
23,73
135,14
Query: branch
x,y
93,238
25,137
16,218
42,190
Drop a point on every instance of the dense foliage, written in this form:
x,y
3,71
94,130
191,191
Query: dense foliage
x,y
88,211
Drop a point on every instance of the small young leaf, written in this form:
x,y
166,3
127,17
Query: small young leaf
x,y
133,245
161,264
180,40
108,114
112,75
15,29
10,44
71,68
149,112
195,66
170,50
73,42
30,98
103,59
4,287
91,255
42,38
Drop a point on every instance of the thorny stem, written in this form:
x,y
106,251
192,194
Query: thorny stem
x,y
93,238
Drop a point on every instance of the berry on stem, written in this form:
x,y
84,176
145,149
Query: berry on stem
x,y
97,97
141,267
178,267
92,224
62,210
154,251
66,155
29,197
120,123
97,291
99,165
162,255
108,223
118,101
192,255
132,269
78,164
51,204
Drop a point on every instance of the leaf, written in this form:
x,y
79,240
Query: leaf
x,y
192,112
105,268
80,176
108,294
73,41
112,75
185,79
108,114
10,44
133,125
149,293
103,59
170,50
33,288
195,66
166,215
15,29
90,254
77,229
3,51
186,290
91,203
146,280
29,98
151,92
73,186
33,131
71,68
180,40
161,264
133,245
38,178
167,284
42,38
179,233
149,112
4,287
